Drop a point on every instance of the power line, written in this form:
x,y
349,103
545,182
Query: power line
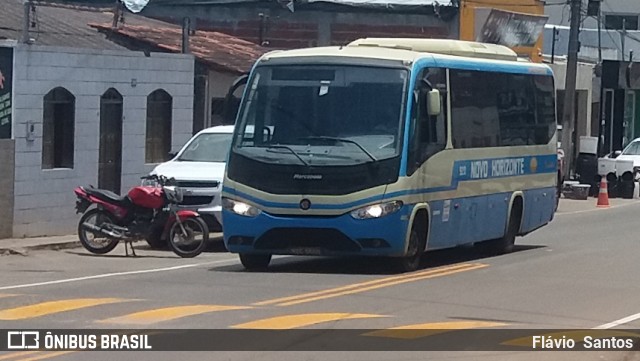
x,y
513,5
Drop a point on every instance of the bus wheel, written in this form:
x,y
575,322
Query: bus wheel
x,y
411,261
255,262
505,244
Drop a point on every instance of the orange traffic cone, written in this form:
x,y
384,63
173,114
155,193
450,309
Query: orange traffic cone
x,y
603,196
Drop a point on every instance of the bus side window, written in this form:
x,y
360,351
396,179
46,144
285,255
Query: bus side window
x,y
428,133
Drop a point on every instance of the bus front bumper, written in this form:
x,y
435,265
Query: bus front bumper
x,y
317,235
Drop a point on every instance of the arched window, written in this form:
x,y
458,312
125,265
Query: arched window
x,y
58,129
158,141
110,154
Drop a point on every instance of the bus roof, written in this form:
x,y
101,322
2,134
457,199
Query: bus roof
x,y
409,51
442,46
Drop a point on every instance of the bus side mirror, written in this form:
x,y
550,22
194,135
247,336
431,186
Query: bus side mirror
x,y
232,102
433,102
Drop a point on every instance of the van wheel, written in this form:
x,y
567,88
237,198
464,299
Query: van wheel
x,y
255,262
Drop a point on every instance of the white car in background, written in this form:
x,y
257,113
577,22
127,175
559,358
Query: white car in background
x,y
198,169
631,152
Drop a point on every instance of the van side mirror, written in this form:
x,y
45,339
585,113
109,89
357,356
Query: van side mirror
x,y
172,155
433,102
616,153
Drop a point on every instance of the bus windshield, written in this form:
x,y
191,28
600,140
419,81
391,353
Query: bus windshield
x,y
322,115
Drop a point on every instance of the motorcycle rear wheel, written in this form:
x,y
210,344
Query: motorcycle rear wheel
x,y
100,218
193,242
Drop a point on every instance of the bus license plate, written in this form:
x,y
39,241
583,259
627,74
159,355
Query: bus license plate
x,y
306,251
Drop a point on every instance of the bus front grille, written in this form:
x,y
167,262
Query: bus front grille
x,y
328,239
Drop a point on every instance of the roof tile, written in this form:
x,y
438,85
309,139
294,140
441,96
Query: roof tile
x,y
69,25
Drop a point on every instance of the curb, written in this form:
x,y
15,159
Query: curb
x,y
23,251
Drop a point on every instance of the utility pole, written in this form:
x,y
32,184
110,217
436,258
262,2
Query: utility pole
x,y
186,27
26,21
553,44
599,36
602,130
116,15
568,114
623,36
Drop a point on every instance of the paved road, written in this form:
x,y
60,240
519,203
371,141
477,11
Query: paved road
x,y
579,272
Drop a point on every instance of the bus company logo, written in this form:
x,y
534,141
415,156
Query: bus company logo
x,y
533,165
23,340
305,204
307,176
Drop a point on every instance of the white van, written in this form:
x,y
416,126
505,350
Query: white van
x,y
198,169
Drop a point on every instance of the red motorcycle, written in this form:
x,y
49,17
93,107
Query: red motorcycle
x,y
144,213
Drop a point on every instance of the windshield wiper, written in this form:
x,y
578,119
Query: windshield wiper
x,y
290,150
343,140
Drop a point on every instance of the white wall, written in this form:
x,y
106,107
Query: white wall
x,y
44,199
585,89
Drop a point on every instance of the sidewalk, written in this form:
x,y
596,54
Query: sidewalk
x,y
23,245
568,206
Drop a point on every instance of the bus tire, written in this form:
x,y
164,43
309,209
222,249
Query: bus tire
x,y
505,244
558,191
417,242
255,262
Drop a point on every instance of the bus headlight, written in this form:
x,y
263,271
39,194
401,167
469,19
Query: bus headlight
x,y
240,208
376,210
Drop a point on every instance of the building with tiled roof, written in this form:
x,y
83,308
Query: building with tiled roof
x,y
97,104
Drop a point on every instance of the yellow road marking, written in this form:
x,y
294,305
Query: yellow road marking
x,y
428,329
386,284
168,313
368,285
45,356
46,308
301,320
577,336
17,354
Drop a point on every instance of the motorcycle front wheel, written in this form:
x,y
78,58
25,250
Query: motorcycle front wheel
x,y
94,241
189,240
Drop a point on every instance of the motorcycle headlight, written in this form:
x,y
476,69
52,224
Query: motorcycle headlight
x,y
240,208
376,210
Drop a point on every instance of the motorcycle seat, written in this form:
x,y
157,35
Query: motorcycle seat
x,y
106,195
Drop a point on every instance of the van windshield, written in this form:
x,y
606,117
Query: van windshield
x,y
207,147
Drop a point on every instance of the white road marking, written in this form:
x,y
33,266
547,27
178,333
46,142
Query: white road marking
x,y
116,274
619,322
